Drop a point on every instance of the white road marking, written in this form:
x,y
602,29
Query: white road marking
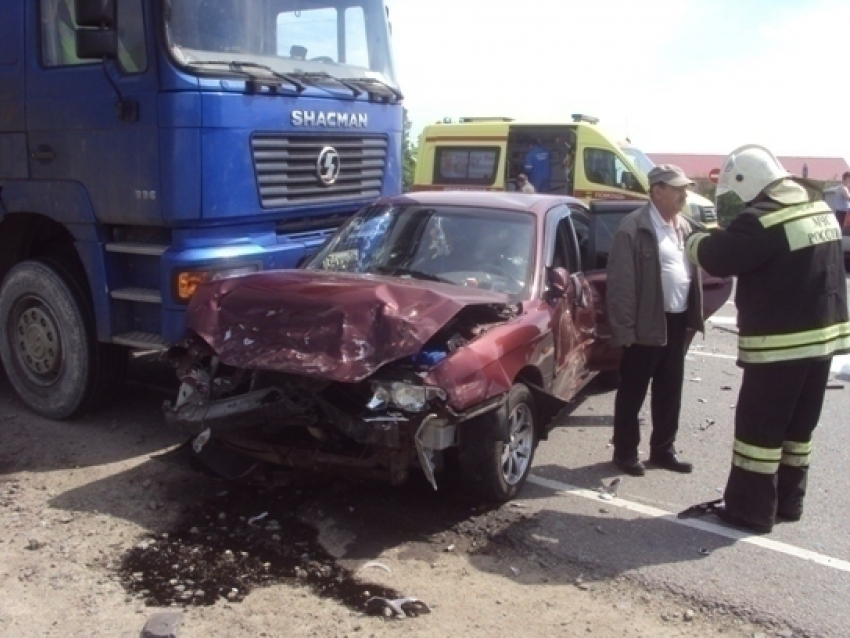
x,y
839,361
713,354
729,321
696,523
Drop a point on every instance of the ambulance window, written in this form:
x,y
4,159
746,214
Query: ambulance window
x,y
601,166
466,165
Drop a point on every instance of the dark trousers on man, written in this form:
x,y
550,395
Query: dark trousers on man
x,y
778,408
664,368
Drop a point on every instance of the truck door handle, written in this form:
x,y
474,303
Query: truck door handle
x,y
43,154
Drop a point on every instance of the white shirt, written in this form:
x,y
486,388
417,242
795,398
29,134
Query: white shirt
x,y
675,271
842,197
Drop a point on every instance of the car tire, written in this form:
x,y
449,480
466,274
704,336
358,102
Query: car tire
x,y
48,345
494,467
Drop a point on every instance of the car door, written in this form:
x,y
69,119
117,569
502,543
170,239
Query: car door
x,y
572,311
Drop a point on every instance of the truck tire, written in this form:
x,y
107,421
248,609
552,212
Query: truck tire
x,y
48,345
494,467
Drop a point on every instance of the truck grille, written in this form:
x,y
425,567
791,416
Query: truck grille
x,y
287,175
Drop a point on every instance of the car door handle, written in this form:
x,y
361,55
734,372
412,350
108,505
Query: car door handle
x,y
43,154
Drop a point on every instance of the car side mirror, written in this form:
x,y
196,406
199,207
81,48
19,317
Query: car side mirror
x,y
559,282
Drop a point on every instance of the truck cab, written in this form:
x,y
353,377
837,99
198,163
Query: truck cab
x,y
488,153
150,146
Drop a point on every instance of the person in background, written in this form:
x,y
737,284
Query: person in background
x,y
523,185
791,296
842,199
654,296
538,167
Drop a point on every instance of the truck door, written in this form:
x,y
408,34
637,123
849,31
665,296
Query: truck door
x,y
572,314
13,152
80,130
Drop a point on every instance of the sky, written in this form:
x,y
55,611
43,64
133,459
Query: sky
x,y
674,76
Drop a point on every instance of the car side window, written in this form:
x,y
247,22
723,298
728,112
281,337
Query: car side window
x,y
566,251
581,224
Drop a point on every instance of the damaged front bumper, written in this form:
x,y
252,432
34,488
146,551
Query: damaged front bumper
x,y
328,426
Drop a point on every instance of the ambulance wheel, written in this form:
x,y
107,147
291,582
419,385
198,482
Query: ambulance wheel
x,y
47,341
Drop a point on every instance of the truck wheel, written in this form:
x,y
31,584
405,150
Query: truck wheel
x,y
494,467
48,345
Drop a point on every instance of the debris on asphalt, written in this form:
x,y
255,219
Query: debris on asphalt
x,y
396,608
376,564
704,551
515,571
256,518
708,423
726,387
609,491
162,625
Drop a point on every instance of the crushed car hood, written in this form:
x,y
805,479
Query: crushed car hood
x,y
336,326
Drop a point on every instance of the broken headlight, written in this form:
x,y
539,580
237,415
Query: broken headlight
x,y
407,396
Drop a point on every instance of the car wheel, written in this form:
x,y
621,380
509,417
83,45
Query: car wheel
x,y
47,342
497,449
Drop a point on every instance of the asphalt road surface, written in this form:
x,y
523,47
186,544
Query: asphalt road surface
x,y
798,575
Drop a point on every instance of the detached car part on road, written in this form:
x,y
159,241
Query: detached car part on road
x,y
432,330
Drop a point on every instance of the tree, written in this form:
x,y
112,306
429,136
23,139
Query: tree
x,y
409,153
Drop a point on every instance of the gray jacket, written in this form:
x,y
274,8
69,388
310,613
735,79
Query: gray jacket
x,y
635,297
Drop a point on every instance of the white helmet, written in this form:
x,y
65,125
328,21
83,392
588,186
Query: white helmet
x,y
748,170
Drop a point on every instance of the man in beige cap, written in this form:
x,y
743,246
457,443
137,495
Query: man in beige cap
x,y
654,296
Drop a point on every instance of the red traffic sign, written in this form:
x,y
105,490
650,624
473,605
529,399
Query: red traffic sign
x,y
714,175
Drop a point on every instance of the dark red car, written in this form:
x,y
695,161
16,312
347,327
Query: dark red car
x,y
432,329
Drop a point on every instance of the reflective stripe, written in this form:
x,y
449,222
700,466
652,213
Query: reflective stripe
x,y
796,454
692,247
757,453
795,212
812,230
798,345
759,467
752,458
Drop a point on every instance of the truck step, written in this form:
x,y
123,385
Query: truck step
x,y
136,248
146,340
146,295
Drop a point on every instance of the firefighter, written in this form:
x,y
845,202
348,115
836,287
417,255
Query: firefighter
x,y
785,249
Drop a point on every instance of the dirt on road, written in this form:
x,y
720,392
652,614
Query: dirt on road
x,y
101,528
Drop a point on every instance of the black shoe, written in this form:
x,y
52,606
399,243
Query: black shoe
x,y
735,521
632,467
790,517
669,461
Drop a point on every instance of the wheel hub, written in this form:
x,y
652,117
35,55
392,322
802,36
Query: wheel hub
x,y
38,341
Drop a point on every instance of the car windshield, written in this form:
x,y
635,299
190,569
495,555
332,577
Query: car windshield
x,y
478,247
345,39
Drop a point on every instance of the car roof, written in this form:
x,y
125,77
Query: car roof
x,y
521,202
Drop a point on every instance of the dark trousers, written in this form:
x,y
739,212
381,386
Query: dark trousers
x,y
664,368
840,215
777,405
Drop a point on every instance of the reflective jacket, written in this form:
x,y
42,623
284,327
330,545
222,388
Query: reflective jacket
x,y
791,292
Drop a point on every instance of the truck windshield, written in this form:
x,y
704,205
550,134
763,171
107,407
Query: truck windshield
x,y
345,39
637,157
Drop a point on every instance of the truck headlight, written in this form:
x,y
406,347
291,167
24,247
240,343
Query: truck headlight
x,y
186,282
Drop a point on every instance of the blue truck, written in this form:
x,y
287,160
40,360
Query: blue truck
x,y
148,146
